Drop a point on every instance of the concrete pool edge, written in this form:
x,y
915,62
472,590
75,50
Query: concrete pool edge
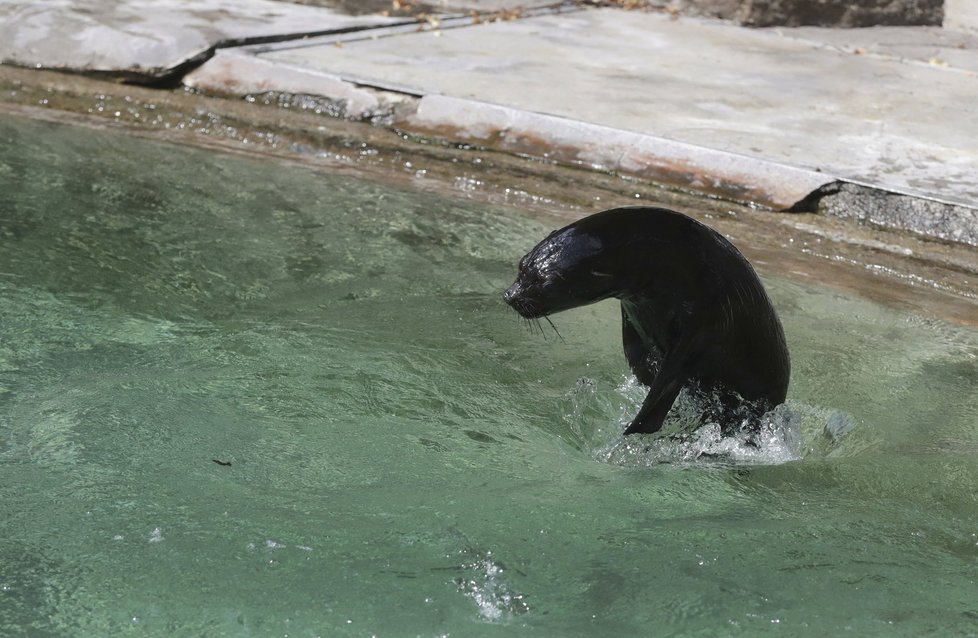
x,y
895,268
712,172
410,106
575,142
846,122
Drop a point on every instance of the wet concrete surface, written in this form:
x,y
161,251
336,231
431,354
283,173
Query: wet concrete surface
x,y
145,39
414,7
930,46
932,279
764,95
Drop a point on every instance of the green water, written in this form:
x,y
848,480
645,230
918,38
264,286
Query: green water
x,y
406,457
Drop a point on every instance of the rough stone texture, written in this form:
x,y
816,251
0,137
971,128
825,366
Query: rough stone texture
x,y
147,37
724,9
490,5
360,7
961,15
942,220
824,13
940,48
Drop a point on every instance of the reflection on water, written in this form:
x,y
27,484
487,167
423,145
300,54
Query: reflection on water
x,y
404,457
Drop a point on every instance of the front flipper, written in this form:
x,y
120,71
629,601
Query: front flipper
x,y
662,394
654,410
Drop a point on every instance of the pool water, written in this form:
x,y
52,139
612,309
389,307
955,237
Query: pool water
x,y
244,398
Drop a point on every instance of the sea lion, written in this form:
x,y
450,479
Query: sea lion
x,y
694,313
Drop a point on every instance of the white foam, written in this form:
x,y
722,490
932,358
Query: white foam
x,y
787,433
486,585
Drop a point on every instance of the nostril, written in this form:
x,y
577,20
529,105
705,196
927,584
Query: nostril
x,y
510,294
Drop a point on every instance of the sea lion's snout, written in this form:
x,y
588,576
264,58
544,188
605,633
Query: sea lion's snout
x,y
515,298
521,300
512,294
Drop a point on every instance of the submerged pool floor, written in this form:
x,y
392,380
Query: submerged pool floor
x,y
241,398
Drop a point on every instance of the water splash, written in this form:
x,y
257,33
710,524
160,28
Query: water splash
x,y
485,584
778,440
789,432
483,580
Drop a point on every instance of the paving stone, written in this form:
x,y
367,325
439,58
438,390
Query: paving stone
x,y
148,37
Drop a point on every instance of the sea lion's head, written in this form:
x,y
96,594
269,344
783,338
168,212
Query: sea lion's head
x,y
569,268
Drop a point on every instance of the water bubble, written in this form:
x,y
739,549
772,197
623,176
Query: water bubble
x,y
485,585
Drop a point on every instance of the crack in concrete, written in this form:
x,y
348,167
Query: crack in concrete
x,y
172,77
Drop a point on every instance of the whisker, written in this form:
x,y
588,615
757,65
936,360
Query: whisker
x,y
536,322
557,332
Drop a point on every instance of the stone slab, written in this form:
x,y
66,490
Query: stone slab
x,y
961,14
148,36
237,73
485,6
440,7
946,48
607,149
762,94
